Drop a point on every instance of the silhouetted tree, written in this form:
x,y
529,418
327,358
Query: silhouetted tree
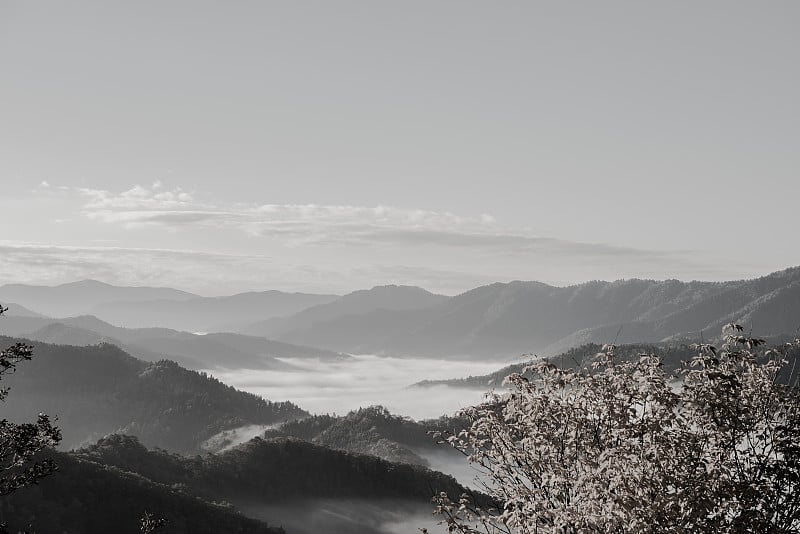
x,y
21,442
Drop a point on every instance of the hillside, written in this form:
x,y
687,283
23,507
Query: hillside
x,y
672,355
17,310
506,320
277,470
100,389
371,430
212,351
378,299
90,497
306,487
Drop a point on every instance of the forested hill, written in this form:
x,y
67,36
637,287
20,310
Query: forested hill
x,y
371,430
672,356
106,487
274,470
87,496
96,390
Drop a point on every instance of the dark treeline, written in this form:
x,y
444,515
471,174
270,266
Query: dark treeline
x,y
272,470
106,487
84,496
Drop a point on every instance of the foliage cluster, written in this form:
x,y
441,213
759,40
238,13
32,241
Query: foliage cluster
x,y
20,442
624,446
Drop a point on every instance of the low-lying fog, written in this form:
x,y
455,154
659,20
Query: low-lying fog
x,y
347,516
341,386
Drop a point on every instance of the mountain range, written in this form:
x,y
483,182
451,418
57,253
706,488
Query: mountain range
x,y
76,298
138,307
501,320
194,351
505,320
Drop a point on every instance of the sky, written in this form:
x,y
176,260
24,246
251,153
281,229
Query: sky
x,y
330,146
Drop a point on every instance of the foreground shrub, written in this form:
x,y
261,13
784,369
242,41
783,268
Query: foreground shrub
x,y
621,446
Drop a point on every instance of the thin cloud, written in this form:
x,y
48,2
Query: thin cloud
x,y
154,205
336,225
337,248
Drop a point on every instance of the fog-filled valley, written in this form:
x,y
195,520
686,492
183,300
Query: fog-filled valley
x,y
209,404
365,380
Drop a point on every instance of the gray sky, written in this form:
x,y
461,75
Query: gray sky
x,y
333,145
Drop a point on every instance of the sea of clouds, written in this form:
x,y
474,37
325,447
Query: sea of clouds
x,y
337,387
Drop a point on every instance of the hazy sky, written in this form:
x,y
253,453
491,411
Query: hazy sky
x,y
334,145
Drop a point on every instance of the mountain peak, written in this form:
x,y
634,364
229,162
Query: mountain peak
x,y
397,288
87,283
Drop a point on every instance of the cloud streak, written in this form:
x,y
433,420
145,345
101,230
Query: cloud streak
x,y
312,225
145,206
311,247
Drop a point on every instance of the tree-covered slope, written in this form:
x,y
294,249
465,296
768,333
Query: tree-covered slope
x,y
672,356
89,497
96,390
370,430
374,431
272,470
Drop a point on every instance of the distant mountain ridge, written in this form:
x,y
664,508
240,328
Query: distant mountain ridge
x,y
76,298
505,320
211,351
379,298
208,314
158,307
12,309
